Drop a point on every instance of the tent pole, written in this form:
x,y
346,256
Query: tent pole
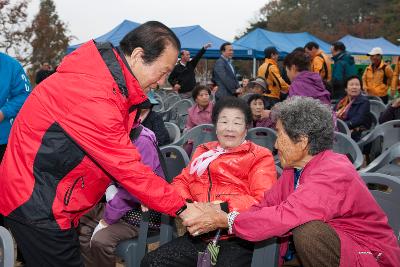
x,y
254,66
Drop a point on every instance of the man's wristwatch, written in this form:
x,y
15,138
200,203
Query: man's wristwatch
x,y
184,207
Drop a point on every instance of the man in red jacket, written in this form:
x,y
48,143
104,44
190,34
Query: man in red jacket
x,y
71,139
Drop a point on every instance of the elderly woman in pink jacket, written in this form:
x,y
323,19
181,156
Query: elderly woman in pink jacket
x,y
321,210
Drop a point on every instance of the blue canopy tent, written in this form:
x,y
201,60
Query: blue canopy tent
x,y
192,38
359,46
113,36
260,39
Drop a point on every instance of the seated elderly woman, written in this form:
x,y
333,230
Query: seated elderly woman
x,y
354,108
231,174
200,113
320,208
260,116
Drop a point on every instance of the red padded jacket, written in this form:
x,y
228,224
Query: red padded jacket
x,y
71,138
239,177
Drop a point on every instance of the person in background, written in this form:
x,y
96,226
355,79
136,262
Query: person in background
x,y
44,72
259,86
224,74
377,76
261,117
153,121
303,81
245,86
200,112
14,89
343,68
320,62
354,108
392,112
395,80
320,209
230,174
183,78
269,70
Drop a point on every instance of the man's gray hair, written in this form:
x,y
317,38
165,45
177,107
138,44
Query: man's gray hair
x,y
306,117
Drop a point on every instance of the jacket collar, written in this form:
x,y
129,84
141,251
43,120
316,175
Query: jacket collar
x,y
128,85
246,146
270,61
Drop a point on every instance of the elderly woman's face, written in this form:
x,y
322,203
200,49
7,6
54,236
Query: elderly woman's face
x,y
203,98
290,154
353,88
256,106
231,128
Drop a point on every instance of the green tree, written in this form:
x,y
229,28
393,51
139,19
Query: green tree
x,y
331,19
50,36
14,35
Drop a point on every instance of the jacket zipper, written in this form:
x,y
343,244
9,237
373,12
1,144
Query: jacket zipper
x,y
227,194
210,186
68,194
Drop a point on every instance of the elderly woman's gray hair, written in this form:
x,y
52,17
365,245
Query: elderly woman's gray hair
x,y
306,117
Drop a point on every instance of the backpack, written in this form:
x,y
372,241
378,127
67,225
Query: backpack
x,y
328,85
273,80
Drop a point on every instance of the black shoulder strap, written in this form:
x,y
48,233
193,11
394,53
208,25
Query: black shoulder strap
x,y
385,78
267,71
324,67
106,51
135,132
275,80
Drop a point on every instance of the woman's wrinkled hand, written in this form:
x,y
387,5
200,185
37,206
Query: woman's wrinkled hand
x,y
211,219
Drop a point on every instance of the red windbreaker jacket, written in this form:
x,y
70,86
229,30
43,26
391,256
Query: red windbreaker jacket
x,y
71,138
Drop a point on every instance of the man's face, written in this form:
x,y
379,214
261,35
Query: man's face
x,y
333,51
228,52
185,56
311,52
376,59
46,66
155,72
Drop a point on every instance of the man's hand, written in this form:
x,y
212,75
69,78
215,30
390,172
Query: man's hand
x,y
177,87
211,219
206,46
191,212
1,116
239,90
265,113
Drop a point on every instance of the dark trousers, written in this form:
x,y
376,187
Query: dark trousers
x,y
46,247
317,244
100,251
2,151
183,251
